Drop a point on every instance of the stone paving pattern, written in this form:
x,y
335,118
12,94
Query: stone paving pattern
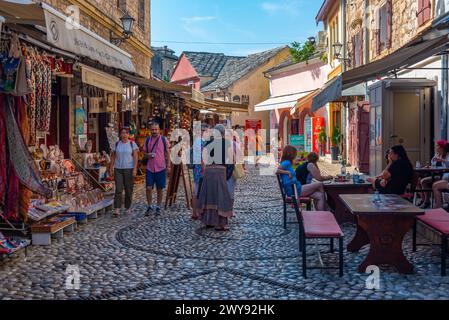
x,y
174,257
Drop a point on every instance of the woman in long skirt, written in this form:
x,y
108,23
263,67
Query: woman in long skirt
x,y
215,203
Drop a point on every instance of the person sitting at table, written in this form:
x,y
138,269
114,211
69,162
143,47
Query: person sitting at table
x,y
309,170
441,157
398,174
313,190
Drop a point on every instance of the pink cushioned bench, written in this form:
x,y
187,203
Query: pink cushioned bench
x,y
437,220
320,225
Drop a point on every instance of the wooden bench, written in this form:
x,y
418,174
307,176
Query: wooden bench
x,y
318,225
437,220
41,233
288,200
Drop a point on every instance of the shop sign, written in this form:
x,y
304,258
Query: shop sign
x,y
297,141
84,42
101,80
317,124
197,96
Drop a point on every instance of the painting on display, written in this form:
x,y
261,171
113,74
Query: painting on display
x,y
80,116
112,135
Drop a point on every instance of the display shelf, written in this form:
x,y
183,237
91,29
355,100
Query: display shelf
x,y
42,232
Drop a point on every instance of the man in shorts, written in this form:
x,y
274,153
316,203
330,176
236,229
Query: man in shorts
x,y
157,150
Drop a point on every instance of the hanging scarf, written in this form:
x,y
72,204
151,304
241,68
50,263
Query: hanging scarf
x,y
21,159
31,105
24,202
12,195
3,158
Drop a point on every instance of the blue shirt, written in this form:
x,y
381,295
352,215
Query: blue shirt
x,y
286,181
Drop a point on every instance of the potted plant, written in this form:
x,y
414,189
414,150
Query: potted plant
x,y
335,140
322,139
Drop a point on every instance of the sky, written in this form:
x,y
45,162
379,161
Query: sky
x,y
259,24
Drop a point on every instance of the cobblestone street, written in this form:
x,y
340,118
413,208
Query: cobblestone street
x,y
174,257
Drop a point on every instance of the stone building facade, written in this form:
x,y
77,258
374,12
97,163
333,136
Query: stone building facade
x,y
396,21
103,16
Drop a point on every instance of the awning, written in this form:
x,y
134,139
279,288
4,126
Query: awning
x,y
101,79
155,84
63,35
280,102
23,12
333,92
431,43
215,106
303,103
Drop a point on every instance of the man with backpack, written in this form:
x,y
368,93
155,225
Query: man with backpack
x,y
157,151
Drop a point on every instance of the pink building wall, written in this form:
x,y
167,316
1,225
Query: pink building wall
x,y
305,77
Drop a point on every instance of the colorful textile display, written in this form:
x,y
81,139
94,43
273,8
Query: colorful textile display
x,y
3,159
24,202
21,159
12,195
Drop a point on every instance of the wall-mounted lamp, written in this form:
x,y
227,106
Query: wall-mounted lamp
x,y
337,50
127,24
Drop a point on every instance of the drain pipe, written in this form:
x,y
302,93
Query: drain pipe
x,y
444,106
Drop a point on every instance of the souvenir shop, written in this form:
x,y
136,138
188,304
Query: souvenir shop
x,y
42,189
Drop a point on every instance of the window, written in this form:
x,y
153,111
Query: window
x,y
424,11
141,18
383,30
357,49
121,4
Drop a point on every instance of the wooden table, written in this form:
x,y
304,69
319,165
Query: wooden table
x,y
335,189
431,171
383,225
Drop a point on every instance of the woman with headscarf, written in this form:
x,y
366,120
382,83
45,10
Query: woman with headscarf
x,y
215,203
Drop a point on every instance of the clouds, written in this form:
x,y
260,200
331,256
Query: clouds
x,y
290,7
194,19
195,27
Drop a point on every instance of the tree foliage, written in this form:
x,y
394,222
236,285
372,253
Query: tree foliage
x,y
302,52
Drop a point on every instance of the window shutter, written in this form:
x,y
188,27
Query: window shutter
x,y
354,51
420,13
377,33
427,10
389,23
361,47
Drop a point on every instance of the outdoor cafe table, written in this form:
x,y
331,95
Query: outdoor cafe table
x,y
335,189
431,171
383,225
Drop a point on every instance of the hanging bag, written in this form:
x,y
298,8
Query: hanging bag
x,y
21,87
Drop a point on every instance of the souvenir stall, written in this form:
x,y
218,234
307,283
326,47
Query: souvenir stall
x,y
97,119
38,184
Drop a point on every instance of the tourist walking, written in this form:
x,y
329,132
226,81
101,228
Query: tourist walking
x,y
124,162
157,152
214,201
198,167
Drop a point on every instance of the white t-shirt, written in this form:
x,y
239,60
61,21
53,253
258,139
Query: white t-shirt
x,y
124,154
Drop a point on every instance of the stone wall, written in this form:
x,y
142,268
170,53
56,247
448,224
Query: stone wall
x,y
404,23
102,16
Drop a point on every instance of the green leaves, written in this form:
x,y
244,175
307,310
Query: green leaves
x,y
302,52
